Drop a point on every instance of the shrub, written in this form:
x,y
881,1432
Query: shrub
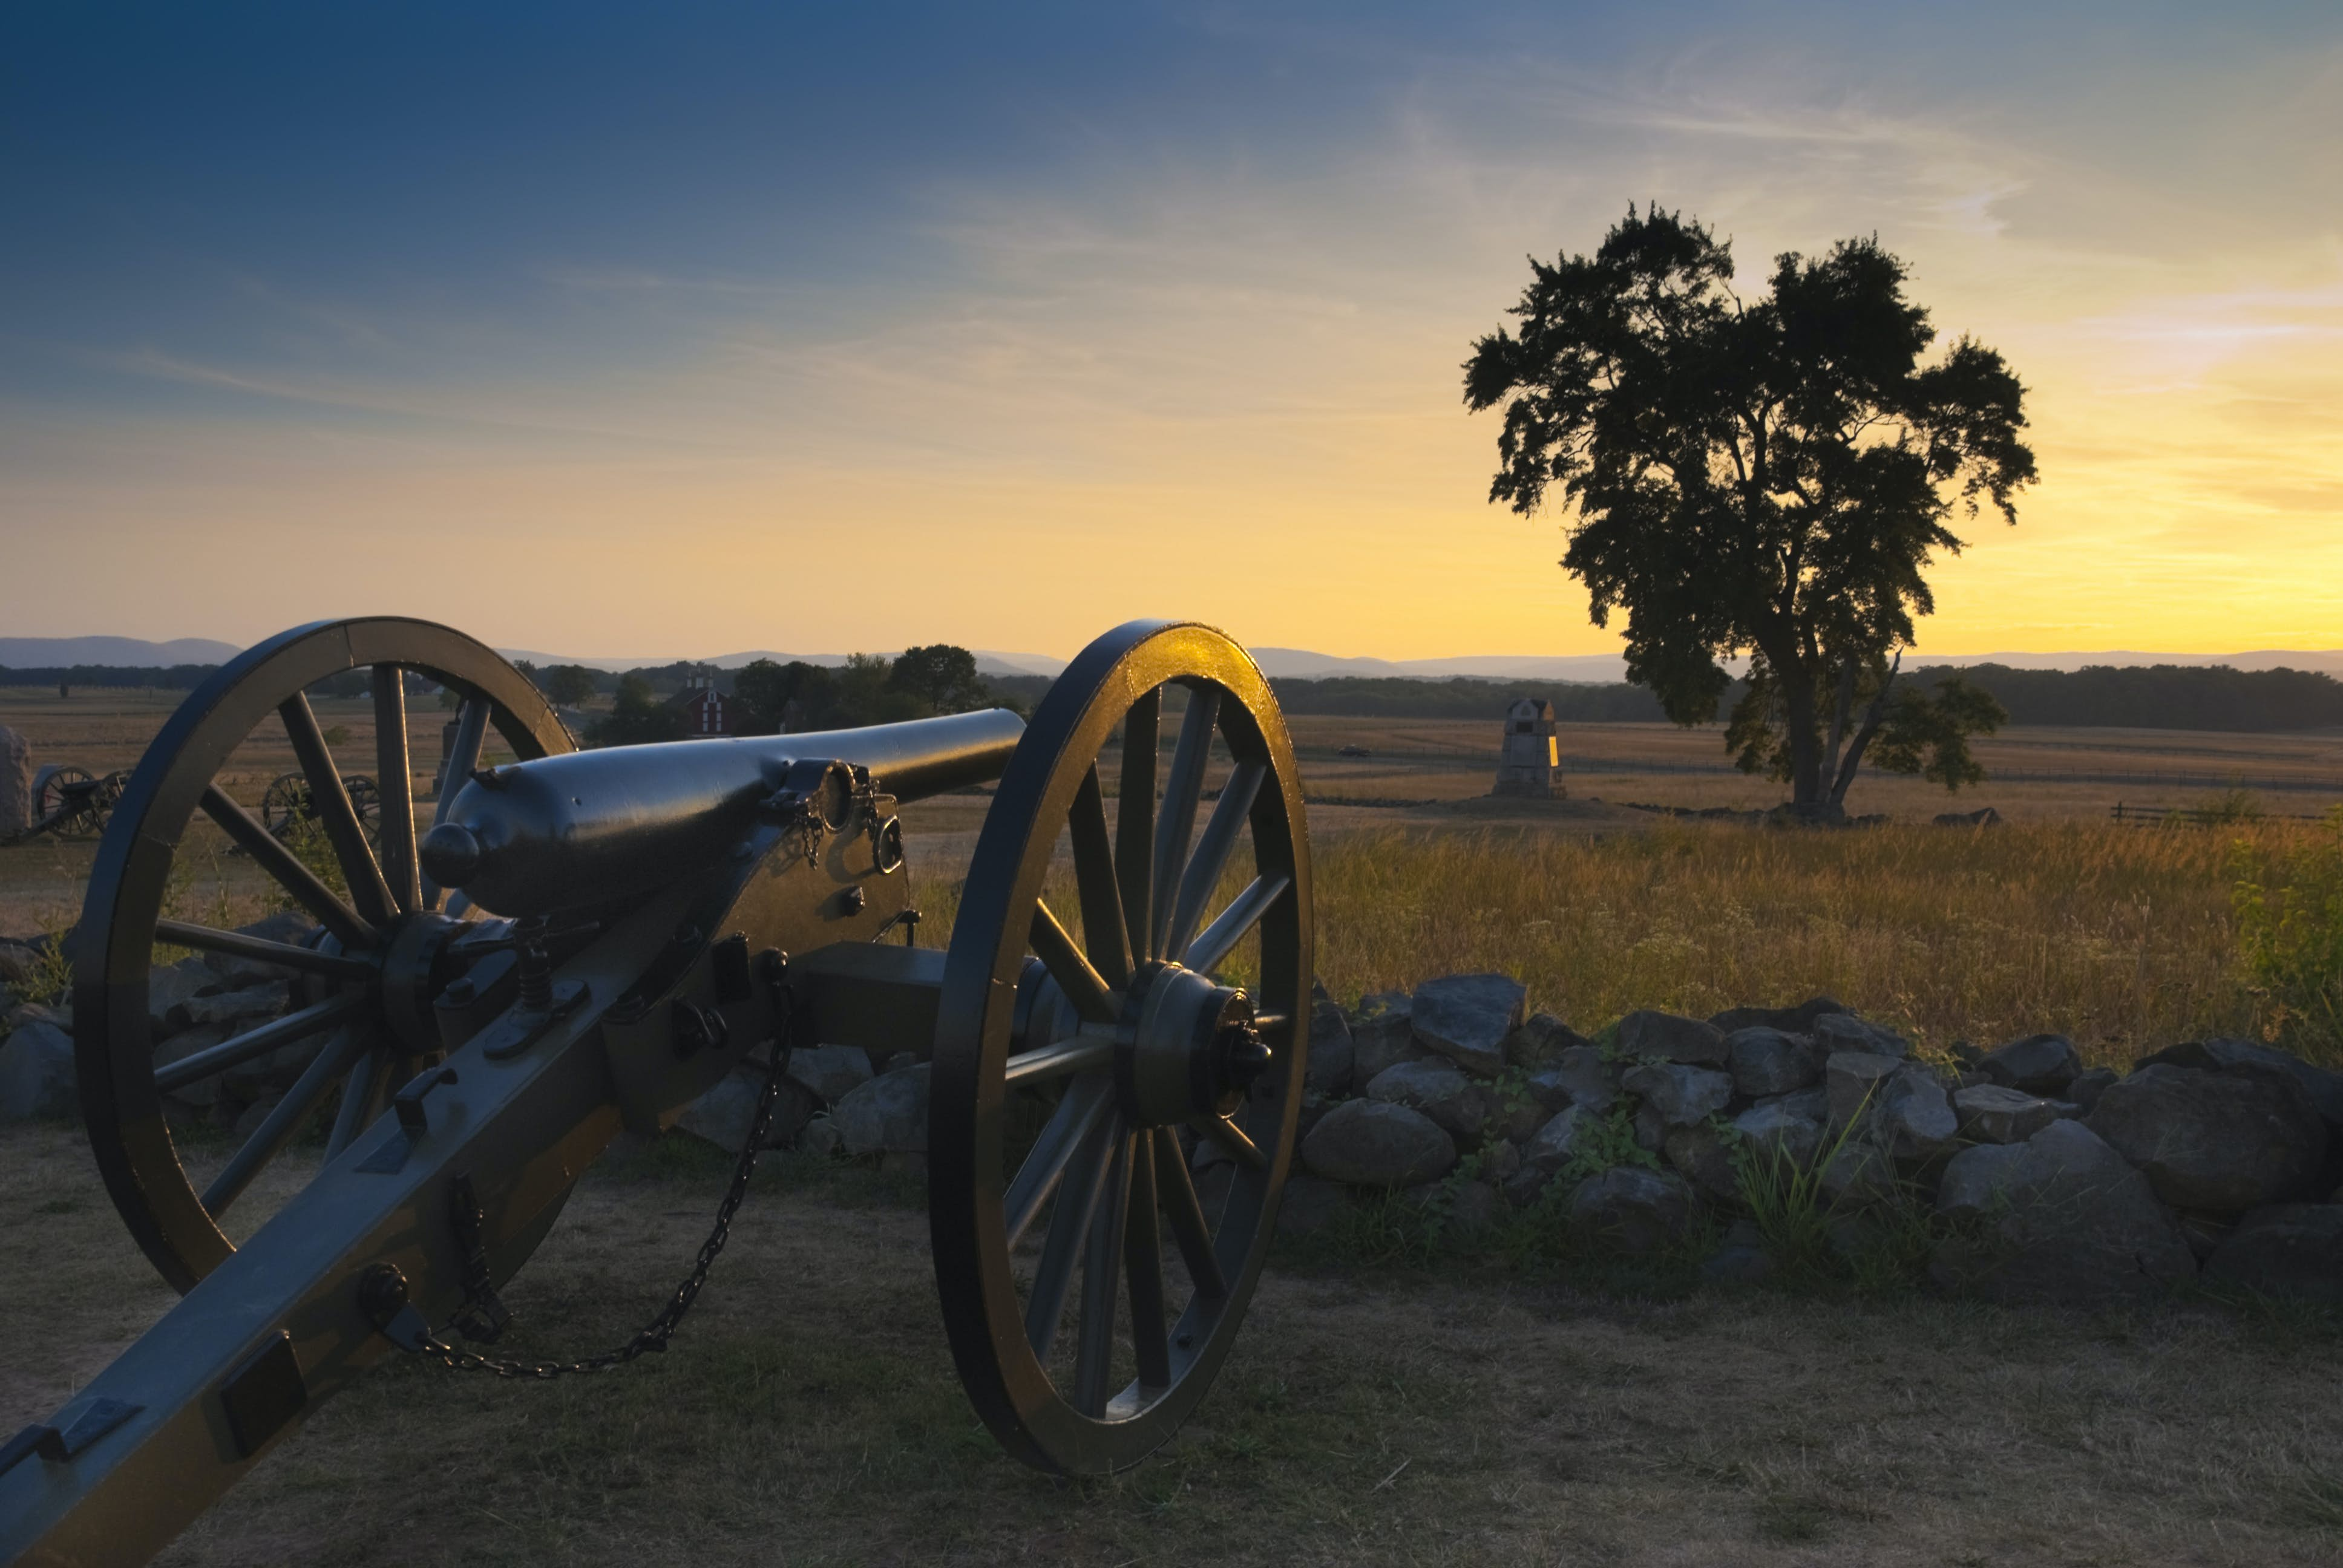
x,y
2289,912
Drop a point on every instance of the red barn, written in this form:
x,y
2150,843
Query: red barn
x,y
707,711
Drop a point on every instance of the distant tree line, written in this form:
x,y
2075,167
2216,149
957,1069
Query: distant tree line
x,y
768,696
1397,696
166,678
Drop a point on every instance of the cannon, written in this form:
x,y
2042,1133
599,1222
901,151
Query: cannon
x,y
579,943
69,802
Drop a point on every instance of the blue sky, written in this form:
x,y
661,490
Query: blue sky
x,y
668,329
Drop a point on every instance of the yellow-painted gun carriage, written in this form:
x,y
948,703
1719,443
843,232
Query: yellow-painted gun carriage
x,y
580,942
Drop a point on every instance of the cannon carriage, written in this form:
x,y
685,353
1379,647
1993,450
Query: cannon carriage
x,y
70,802
582,942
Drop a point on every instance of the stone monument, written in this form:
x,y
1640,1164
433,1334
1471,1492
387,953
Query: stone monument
x,y
1531,762
16,785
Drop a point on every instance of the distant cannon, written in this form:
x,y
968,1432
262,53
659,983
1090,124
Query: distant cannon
x,y
70,802
288,804
581,943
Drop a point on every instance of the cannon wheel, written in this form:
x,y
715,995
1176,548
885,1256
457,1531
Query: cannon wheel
x,y
68,802
1108,1185
364,981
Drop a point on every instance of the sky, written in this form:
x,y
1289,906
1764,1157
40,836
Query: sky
x,y
671,330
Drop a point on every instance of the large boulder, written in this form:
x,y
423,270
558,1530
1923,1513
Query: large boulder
x,y
2286,1249
1308,1204
724,1115
1855,1081
1915,1113
1462,1107
36,1073
1382,1035
1330,1055
1991,1114
1558,1144
1789,1127
1579,1077
1376,1143
888,1115
1540,1040
247,1080
171,987
1840,1031
2039,1064
1798,1020
2061,1217
2220,1142
15,784
291,926
1680,1095
1467,1018
1633,1209
1664,1035
1766,1061
2323,1085
1702,1158
230,1007
829,1073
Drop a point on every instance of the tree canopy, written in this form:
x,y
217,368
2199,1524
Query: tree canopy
x,y
1770,477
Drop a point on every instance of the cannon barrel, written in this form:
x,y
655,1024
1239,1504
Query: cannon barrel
x,y
594,828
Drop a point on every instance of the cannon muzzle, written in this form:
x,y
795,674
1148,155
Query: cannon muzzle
x,y
596,828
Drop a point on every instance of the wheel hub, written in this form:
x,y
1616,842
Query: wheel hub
x,y
1185,1047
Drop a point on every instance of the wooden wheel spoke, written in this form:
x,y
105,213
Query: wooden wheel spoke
x,y
1177,1195
1225,1132
1142,1260
394,772
274,1035
1101,1274
1070,1226
278,1127
1182,790
1094,878
463,755
1203,878
1220,939
1134,821
1083,985
361,1092
330,799
1057,1060
260,949
1086,1105
288,872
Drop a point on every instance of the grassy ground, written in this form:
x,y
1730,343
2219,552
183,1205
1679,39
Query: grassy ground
x,y
808,1415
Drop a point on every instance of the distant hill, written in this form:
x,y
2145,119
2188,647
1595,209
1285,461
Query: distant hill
x,y
64,652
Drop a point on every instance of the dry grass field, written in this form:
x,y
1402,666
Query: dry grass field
x,y
1379,1410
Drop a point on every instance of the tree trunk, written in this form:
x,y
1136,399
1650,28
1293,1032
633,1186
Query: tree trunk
x,y
1872,717
1806,740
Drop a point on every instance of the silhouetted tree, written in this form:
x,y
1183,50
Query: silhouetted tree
x,y
568,684
941,676
1769,477
638,716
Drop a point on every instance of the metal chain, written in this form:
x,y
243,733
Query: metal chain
x,y
655,1334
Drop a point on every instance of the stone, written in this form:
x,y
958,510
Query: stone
x,y
1540,1040
1555,1144
292,927
821,1138
2083,1093
2291,1250
1332,1057
230,1007
248,1120
1500,1161
1313,1110
1376,1143
1308,1205
1992,1114
36,1073
1844,1031
2041,1064
19,962
1527,1186
1915,1113
27,1013
1855,1081
1983,817
2220,1141
251,1077
1701,1157
1651,1129
1765,1060
15,784
1580,1077
1634,1209
1741,1258
829,1073
1518,1114
1462,1108
1858,1172
1682,1095
887,1115
724,1115
1798,1020
1471,1209
1382,1035
1781,1128
1690,1041
2323,1085
899,1061
2060,1218
172,986
1467,1018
